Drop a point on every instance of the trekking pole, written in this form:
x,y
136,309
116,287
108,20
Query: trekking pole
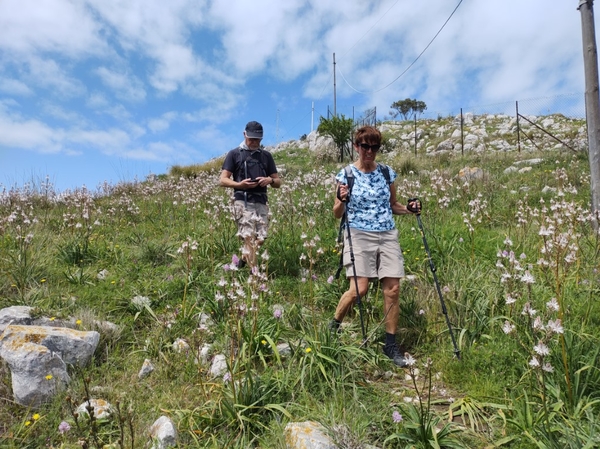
x,y
417,212
358,300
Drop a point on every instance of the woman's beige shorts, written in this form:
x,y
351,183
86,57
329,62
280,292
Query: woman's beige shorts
x,y
376,254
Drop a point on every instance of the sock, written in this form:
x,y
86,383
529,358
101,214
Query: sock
x,y
390,339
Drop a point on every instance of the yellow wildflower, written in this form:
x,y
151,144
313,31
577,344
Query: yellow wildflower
x,y
49,377
36,416
307,350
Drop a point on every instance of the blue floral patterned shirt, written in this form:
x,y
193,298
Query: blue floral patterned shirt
x,y
369,207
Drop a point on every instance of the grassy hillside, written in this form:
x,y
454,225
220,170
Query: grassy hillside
x,y
516,257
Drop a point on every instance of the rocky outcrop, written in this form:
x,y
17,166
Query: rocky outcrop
x,y
38,356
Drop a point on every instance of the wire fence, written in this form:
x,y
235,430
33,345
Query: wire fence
x,y
569,105
530,130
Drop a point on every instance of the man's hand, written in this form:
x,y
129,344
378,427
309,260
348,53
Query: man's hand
x,y
249,183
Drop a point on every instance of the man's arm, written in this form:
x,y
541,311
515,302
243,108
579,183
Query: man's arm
x,y
276,180
226,181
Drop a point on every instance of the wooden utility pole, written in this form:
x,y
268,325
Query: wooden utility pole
x,y
592,99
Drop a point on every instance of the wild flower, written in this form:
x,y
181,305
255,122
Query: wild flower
x,y
527,278
410,361
552,305
528,310
508,327
555,327
396,416
541,349
537,323
64,427
534,362
547,367
141,302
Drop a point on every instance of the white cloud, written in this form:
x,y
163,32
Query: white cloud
x,y
28,134
126,85
58,26
13,86
162,123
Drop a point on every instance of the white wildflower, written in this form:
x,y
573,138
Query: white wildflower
x,y
534,362
548,368
537,323
552,305
410,361
508,327
141,301
541,349
555,327
528,278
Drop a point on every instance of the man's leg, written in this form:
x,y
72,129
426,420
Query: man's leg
x,y
259,222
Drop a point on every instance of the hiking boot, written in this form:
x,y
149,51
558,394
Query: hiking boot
x,y
395,355
334,326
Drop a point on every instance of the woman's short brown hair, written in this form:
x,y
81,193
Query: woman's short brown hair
x,y
367,134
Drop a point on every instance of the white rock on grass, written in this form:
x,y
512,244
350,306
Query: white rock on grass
x,y
147,368
163,433
38,357
100,408
307,435
219,365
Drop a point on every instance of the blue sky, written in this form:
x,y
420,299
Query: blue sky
x,y
113,90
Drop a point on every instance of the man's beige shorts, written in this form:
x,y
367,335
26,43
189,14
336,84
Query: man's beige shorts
x,y
252,219
376,254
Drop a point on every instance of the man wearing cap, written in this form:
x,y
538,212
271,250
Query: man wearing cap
x,y
249,170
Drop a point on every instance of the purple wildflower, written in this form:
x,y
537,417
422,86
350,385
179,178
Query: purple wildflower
x,y
396,416
64,427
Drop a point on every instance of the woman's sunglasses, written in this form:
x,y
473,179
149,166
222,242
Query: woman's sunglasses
x,y
367,147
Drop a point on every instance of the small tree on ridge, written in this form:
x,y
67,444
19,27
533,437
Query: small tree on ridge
x,y
406,107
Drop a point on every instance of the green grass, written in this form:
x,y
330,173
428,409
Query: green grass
x,y
53,250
